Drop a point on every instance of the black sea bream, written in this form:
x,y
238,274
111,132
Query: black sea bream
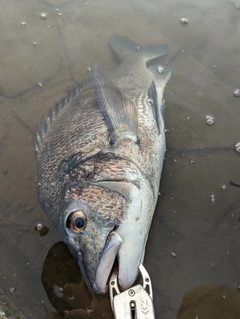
x,y
100,156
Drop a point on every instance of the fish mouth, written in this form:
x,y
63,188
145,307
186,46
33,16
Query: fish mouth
x,y
107,262
118,253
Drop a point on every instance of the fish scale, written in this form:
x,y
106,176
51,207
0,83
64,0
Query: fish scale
x,y
102,199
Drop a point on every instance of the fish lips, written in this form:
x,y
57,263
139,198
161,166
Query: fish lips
x,y
128,263
105,265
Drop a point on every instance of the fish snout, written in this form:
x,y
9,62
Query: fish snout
x,y
105,266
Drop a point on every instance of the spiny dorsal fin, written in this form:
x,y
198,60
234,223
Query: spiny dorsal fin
x,y
53,113
115,107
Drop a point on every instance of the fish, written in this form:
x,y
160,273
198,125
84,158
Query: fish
x,y
100,155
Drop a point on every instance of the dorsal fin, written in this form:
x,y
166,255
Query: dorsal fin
x,y
115,107
53,113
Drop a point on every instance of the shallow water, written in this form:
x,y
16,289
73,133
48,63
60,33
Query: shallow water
x,y
197,216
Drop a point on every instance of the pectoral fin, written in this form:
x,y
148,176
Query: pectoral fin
x,y
115,107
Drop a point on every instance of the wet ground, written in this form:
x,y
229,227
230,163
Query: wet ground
x,y
193,249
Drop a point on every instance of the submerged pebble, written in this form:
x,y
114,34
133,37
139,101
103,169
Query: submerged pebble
x,y
236,92
149,102
237,147
209,120
42,229
213,198
13,290
58,291
39,227
43,16
184,20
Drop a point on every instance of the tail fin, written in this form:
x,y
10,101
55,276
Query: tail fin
x,y
122,46
155,56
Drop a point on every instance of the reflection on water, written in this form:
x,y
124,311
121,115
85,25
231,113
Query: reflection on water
x,y
67,290
214,301
197,217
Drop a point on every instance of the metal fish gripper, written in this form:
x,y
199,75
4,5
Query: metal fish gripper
x,y
135,302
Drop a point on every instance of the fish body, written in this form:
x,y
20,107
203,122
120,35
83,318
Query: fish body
x,y
100,156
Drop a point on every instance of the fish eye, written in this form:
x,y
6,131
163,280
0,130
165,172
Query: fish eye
x,y
76,221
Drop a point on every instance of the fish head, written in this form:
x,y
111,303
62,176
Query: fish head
x,y
86,233
100,242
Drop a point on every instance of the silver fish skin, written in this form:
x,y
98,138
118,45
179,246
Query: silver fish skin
x,y
100,157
